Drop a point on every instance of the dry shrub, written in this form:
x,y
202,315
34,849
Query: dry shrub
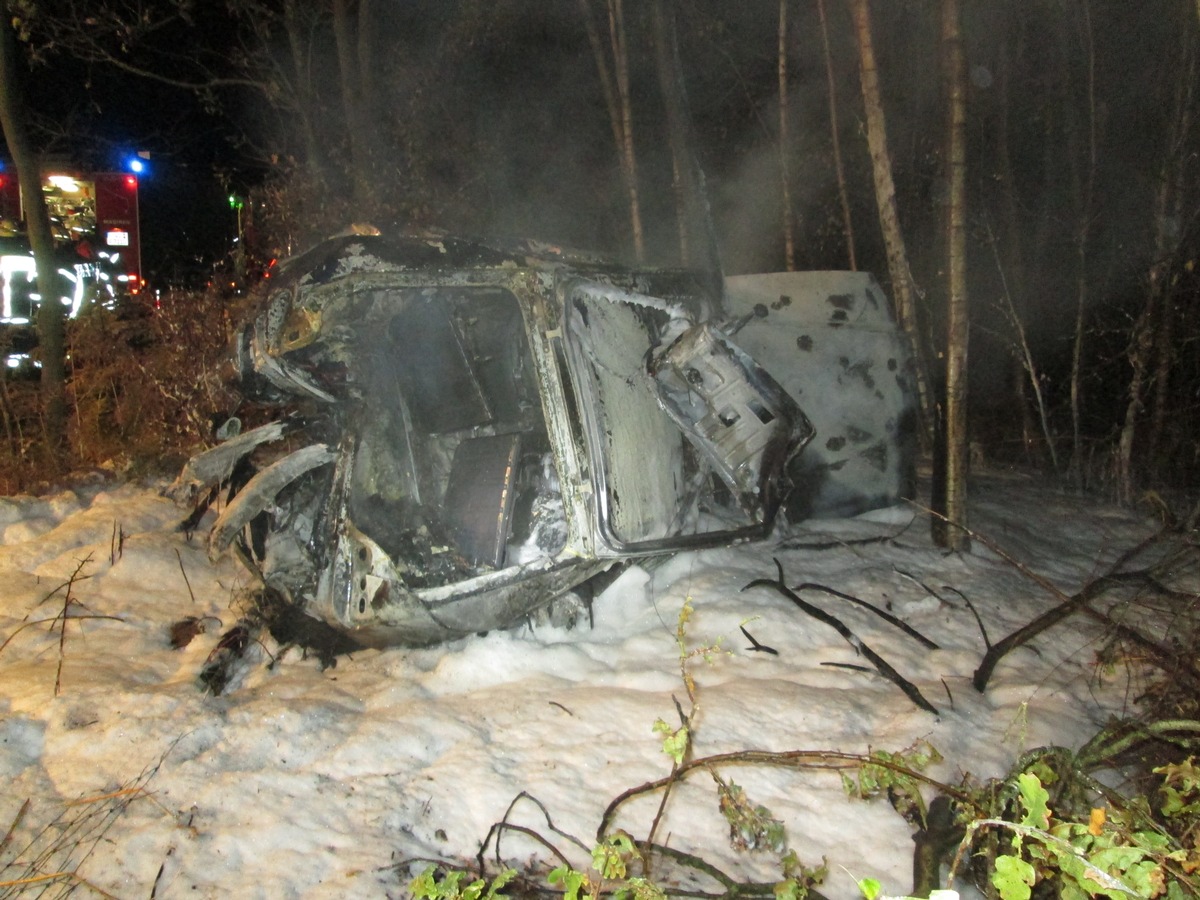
x,y
21,422
143,386
144,380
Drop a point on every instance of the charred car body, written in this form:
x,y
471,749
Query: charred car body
x,y
468,431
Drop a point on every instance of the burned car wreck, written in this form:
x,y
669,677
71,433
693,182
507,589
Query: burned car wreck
x,y
464,432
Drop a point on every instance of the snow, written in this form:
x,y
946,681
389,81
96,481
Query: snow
x,y
299,782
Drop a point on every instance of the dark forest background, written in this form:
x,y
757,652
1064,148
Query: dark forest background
x,y
508,117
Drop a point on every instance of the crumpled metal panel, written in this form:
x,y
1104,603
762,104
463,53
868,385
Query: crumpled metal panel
x,y
743,421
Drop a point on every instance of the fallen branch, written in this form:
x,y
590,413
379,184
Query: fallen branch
x,y
1068,605
881,665
932,593
883,614
835,760
732,887
498,827
971,606
16,823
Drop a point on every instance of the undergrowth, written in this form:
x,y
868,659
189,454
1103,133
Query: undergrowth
x,y
143,388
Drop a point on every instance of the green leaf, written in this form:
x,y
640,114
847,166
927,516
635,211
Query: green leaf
x,y
1147,877
675,740
424,887
869,887
1035,800
1013,878
608,858
643,889
1117,859
571,881
499,882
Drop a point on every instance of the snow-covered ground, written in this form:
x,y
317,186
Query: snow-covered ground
x,y
307,783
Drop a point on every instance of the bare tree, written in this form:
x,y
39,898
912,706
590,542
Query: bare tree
x,y
1086,189
1151,343
954,477
903,287
297,23
614,82
697,240
1012,273
136,37
352,35
1026,366
785,142
1174,182
839,168
50,322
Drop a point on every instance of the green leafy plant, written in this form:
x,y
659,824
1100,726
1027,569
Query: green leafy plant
x,y
1112,855
751,827
872,889
429,886
609,875
893,774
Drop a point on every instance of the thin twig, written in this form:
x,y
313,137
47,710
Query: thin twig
x,y
54,618
971,606
62,630
184,574
16,823
498,827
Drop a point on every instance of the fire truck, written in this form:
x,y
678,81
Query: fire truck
x,y
94,217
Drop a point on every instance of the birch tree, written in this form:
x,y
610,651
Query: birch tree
x,y
839,167
954,477
614,82
903,288
785,143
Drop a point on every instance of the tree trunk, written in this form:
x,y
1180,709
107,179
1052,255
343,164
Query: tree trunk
x,y
50,321
957,319
785,142
305,97
1174,180
614,82
696,235
903,291
618,37
843,195
1082,240
1015,282
683,188
348,53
